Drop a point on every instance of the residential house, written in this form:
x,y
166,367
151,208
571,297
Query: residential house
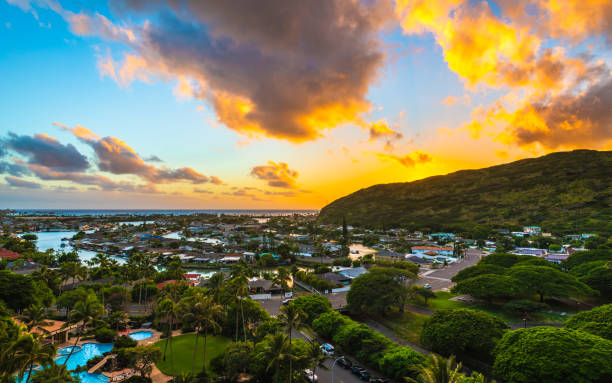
x,y
422,250
387,255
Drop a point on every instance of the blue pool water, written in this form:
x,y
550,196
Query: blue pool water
x,y
80,358
140,335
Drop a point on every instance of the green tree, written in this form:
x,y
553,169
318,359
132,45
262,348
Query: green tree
x,y
313,304
478,332
597,321
53,373
85,313
489,287
401,362
479,269
276,351
438,370
375,292
293,318
167,310
143,357
237,358
546,281
34,351
547,354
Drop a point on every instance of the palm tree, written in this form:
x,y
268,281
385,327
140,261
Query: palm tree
x,y
241,290
216,283
168,309
282,278
53,373
209,322
438,370
12,356
316,356
33,351
86,312
293,318
35,316
73,271
277,350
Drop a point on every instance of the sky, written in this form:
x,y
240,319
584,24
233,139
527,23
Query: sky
x,y
239,104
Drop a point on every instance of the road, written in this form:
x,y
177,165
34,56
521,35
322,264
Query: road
x,y
340,375
440,279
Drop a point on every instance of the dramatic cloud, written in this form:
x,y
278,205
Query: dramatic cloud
x,y
19,183
276,175
116,157
288,69
15,170
381,130
555,98
409,160
44,150
102,182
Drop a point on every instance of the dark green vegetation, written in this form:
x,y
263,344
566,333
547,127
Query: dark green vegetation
x,y
597,321
501,277
546,354
559,192
462,332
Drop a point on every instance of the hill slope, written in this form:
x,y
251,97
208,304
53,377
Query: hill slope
x,y
562,192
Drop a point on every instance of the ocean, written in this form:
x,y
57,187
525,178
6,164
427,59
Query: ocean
x,y
145,212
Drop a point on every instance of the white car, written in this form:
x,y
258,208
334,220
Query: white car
x,y
327,349
310,376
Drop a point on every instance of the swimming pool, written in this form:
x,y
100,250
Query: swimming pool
x,y
140,335
80,357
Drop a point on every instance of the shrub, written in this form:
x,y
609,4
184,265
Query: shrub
x,y
124,342
401,362
105,335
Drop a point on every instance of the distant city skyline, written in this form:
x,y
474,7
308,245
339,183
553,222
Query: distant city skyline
x,y
286,105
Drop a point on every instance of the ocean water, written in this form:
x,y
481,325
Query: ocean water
x,y
120,212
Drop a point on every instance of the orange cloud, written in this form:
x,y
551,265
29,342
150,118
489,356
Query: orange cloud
x,y
409,160
276,175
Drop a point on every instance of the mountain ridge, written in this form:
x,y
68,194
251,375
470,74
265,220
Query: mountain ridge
x,y
560,191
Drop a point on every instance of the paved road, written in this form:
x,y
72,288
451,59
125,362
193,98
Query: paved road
x,y
440,279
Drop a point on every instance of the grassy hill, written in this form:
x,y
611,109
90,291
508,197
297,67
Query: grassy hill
x,y
562,192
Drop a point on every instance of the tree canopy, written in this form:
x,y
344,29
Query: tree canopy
x,y
377,291
597,321
546,354
462,331
546,281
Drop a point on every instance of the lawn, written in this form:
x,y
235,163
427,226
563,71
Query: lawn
x,y
183,346
442,301
406,325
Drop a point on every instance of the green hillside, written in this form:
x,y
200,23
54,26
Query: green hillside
x,y
562,192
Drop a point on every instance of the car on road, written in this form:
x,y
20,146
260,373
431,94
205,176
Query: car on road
x,y
344,363
427,286
365,375
310,376
357,370
379,380
287,301
327,349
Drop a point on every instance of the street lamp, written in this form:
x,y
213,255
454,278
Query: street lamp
x,y
332,368
525,322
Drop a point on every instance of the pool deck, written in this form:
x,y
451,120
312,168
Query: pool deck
x,y
156,375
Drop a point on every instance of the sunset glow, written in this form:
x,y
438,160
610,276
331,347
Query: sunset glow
x,y
287,105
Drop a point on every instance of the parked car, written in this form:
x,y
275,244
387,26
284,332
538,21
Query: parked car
x,y
327,349
365,375
357,370
427,286
379,380
287,301
310,376
344,363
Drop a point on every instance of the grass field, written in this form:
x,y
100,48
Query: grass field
x,y
183,346
406,325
